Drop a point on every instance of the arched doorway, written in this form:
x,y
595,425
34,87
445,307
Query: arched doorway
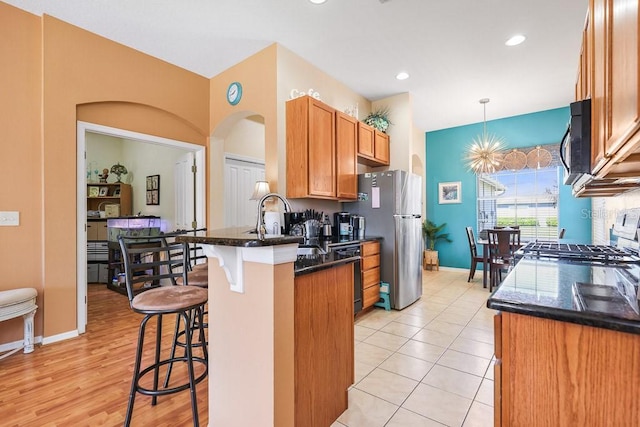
x,y
83,129
237,160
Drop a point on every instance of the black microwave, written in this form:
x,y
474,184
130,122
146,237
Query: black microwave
x,y
575,148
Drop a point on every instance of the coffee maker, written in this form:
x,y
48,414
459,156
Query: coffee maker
x,y
293,223
342,225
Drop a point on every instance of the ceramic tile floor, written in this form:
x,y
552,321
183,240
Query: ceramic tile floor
x,y
430,364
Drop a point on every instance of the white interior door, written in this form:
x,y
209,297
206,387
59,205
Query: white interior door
x,y
184,192
240,176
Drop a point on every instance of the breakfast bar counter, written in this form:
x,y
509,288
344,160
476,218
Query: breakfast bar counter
x,y
277,330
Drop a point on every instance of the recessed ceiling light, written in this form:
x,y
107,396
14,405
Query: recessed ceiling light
x,y
317,1
515,40
402,76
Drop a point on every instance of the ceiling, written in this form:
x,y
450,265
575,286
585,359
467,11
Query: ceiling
x,y
453,50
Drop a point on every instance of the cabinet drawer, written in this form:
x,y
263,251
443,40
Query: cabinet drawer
x,y
371,262
370,296
370,248
371,277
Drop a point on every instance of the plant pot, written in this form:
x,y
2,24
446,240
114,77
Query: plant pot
x,y
430,259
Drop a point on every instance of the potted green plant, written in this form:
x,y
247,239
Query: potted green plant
x,y
432,235
379,119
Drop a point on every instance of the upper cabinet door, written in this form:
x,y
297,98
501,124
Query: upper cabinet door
x,y
623,74
373,146
615,81
346,157
599,133
381,143
321,149
310,149
365,140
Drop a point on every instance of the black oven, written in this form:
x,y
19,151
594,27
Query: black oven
x,y
575,147
349,250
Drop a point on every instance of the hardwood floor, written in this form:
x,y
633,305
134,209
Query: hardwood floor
x,y
85,381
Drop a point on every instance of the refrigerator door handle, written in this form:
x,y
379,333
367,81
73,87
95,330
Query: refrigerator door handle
x,y
407,216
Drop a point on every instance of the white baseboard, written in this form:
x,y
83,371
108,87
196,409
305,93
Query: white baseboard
x,y
60,337
17,344
455,269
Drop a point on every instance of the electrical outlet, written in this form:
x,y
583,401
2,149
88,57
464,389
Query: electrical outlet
x,y
9,218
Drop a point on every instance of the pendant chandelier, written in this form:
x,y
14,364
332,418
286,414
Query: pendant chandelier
x,y
484,154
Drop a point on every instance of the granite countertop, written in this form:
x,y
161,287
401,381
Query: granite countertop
x,y
239,236
548,288
305,264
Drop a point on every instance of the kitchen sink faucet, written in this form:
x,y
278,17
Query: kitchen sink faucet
x,y
260,229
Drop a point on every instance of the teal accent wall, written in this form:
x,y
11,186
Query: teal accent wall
x,y
446,150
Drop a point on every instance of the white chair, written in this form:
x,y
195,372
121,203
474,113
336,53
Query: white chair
x,y
19,302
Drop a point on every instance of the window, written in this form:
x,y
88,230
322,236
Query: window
x,y
527,198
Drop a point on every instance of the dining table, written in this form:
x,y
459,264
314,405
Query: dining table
x,y
485,252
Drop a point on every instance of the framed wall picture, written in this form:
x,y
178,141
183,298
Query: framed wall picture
x,y
104,191
153,190
450,192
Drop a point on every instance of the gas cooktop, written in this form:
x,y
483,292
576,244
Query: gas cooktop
x,y
579,252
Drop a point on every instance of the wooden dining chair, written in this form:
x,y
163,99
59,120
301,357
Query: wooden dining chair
x,y
503,243
473,250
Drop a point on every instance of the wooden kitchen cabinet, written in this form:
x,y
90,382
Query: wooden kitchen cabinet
x,y
321,151
381,143
373,146
608,74
346,165
366,149
549,372
311,150
324,345
370,252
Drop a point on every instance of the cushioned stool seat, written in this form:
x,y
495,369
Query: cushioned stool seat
x,y
199,278
20,302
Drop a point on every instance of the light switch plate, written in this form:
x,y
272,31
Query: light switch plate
x,y
9,218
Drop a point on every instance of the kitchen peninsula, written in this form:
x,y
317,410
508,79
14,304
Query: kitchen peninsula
x,y
567,349
280,340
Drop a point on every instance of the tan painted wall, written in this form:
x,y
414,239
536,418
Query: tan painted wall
x,y
113,85
20,148
246,138
82,68
257,76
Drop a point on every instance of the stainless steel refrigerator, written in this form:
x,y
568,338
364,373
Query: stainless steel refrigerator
x,y
391,203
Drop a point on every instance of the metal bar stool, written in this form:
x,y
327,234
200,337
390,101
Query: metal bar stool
x,y
197,275
148,263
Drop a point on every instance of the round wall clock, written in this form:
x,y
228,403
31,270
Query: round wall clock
x,y
234,93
